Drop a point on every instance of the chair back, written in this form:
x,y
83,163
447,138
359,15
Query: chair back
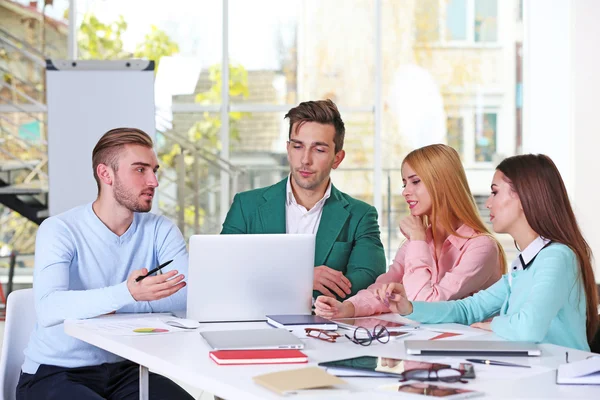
x,y
20,322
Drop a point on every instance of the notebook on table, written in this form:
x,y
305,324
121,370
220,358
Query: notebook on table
x,y
245,357
389,366
298,380
471,347
252,339
299,321
584,372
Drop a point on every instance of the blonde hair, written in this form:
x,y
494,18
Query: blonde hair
x,y
439,168
110,145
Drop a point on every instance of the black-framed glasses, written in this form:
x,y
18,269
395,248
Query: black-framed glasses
x,y
365,337
448,375
328,336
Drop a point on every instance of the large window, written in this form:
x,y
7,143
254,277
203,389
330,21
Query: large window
x,y
410,73
455,134
485,136
457,21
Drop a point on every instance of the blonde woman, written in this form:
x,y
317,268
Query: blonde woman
x,y
449,253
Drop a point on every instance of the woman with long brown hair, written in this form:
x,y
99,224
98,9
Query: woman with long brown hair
x,y
549,294
449,253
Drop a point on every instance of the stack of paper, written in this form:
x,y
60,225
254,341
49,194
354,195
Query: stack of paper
x,y
584,372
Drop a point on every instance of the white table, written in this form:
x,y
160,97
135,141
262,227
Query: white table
x,y
184,356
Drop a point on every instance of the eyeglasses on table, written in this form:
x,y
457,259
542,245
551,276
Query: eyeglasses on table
x,y
365,337
447,375
327,336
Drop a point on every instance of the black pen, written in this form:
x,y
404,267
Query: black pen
x,y
499,363
161,266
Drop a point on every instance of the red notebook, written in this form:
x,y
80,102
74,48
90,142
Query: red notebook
x,y
240,357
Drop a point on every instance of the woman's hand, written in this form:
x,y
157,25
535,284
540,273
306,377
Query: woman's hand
x,y
412,228
394,297
487,326
328,307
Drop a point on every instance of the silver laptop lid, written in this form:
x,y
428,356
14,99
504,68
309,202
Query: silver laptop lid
x,y
245,277
472,347
252,339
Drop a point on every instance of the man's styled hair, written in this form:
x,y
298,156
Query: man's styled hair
x,y
110,145
320,111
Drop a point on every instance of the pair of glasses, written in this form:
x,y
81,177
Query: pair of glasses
x,y
448,375
365,337
328,336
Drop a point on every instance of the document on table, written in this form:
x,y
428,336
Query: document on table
x,y
132,326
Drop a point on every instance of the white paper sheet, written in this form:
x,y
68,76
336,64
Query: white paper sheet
x,y
129,326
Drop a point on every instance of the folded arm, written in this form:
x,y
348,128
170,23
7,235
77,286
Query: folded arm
x,y
478,265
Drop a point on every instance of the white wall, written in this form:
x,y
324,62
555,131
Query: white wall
x,y
585,56
561,85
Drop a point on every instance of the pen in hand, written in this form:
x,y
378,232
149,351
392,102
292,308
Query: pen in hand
x,y
161,266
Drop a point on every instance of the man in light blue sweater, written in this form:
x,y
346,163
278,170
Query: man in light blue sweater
x,y
86,264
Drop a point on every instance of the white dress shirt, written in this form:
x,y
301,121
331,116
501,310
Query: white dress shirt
x,y
300,220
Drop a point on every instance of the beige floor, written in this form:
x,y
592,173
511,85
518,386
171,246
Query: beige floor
x,y
198,394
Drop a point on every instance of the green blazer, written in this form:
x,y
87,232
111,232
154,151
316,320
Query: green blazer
x,y
347,238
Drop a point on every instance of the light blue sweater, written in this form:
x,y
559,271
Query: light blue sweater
x,y
81,269
546,303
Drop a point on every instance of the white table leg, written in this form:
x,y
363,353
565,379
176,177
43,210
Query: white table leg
x,y
144,383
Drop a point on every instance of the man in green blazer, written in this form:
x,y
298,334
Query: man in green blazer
x,y
349,255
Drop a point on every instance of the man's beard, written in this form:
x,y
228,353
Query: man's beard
x,y
129,200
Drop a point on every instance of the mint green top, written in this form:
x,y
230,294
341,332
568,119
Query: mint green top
x,y
544,303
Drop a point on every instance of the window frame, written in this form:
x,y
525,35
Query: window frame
x,y
469,42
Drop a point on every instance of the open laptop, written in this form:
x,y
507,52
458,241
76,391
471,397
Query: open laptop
x,y
470,347
246,277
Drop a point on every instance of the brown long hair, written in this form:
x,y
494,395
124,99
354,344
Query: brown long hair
x,y
439,168
537,182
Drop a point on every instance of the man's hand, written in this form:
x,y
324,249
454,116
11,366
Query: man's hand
x,y
328,307
154,287
394,297
328,279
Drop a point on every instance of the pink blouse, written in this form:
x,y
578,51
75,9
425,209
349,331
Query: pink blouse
x,y
465,267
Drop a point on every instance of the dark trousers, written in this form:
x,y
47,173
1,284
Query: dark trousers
x,y
107,381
